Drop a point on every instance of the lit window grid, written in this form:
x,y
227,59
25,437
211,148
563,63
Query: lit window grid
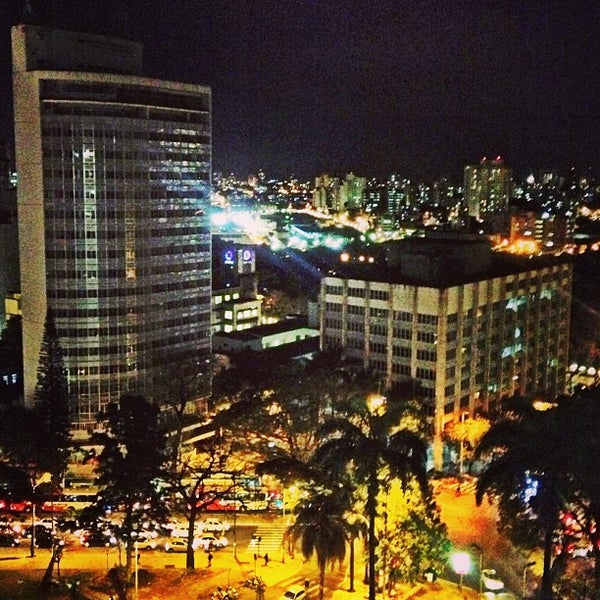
x,y
128,341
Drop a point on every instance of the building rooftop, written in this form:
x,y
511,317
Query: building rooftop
x,y
441,263
262,331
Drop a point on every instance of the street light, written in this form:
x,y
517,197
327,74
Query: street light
x,y
529,564
461,563
479,549
45,478
462,441
135,547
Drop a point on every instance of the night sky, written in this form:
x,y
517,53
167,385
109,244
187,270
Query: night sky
x,y
420,88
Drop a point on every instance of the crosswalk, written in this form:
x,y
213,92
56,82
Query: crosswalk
x,y
332,583
267,539
312,590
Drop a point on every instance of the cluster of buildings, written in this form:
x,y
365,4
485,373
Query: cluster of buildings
x,y
113,205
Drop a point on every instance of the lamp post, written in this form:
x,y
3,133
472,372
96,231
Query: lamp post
x,y
45,478
479,550
462,442
461,563
529,564
135,547
283,535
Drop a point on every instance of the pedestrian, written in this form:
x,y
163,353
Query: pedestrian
x,y
210,556
266,559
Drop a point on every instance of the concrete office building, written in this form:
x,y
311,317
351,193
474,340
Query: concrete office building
x,y
114,176
469,325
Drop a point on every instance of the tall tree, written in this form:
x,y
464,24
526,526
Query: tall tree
x,y
322,530
368,440
131,462
37,438
51,399
526,473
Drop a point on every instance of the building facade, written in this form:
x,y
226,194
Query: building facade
x,y
487,188
9,243
113,207
468,336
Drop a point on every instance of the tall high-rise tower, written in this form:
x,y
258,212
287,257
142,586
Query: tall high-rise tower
x,y
487,187
113,200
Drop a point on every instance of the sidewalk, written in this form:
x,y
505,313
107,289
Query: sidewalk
x,y
277,573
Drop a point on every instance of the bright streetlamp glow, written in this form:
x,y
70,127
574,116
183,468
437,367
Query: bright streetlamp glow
x,y
461,563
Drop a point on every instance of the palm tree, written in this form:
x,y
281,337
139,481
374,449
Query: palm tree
x,y
365,442
525,447
321,529
580,454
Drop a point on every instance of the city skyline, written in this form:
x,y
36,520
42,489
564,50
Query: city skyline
x,y
372,88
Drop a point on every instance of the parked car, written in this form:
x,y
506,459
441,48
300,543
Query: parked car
x,y
96,539
8,540
490,580
209,541
178,545
294,593
213,526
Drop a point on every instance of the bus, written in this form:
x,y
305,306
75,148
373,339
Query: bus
x,y
71,501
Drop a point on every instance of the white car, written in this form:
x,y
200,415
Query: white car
x,y
213,526
490,580
294,593
178,545
209,541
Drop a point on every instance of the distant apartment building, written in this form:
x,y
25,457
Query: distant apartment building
x,y
487,188
470,326
114,174
334,195
352,193
549,232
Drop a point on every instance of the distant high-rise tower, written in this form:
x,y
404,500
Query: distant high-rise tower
x,y
487,187
352,192
113,208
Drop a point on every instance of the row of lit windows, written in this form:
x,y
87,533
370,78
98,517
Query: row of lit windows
x,y
378,329
179,338
426,355
101,233
72,132
427,319
115,292
335,290
401,351
177,272
401,369
379,295
129,312
103,176
110,253
164,199
402,333
377,347
401,315
428,337
123,329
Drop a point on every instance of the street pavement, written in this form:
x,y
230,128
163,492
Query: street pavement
x,y
279,575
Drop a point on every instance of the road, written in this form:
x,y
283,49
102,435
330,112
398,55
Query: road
x,y
257,534
470,524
